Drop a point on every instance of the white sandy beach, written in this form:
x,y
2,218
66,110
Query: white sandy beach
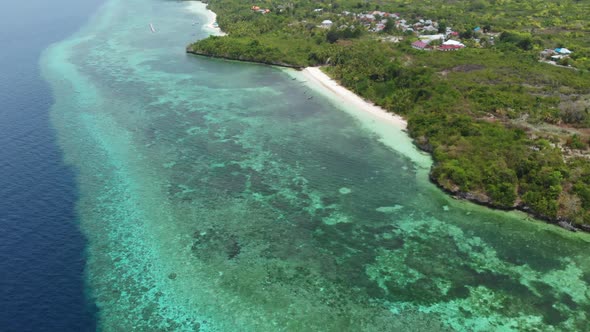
x,y
198,7
389,127
348,97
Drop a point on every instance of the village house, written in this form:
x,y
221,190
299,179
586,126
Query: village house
x,y
379,26
430,38
327,24
547,53
555,54
446,48
376,21
369,18
430,28
451,45
563,51
420,45
260,10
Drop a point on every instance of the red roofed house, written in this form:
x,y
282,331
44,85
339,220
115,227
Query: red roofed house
x,y
449,47
419,45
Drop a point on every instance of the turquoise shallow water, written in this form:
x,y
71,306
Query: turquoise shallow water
x,y
217,197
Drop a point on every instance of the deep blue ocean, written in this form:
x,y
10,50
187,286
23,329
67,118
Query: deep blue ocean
x,y
215,196
41,247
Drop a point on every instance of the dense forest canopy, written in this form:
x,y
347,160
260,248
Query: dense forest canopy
x,y
505,129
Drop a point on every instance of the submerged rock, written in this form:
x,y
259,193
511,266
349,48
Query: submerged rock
x,y
344,191
389,209
568,226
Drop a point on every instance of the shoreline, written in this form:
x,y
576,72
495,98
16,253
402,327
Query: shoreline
x,y
390,128
197,7
190,50
346,97
351,98
211,20
315,75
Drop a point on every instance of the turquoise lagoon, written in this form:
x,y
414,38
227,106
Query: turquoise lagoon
x,y
216,196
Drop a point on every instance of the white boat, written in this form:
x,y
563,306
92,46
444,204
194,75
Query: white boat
x,y
152,28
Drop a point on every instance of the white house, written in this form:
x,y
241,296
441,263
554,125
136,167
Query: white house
x,y
453,43
429,38
430,28
327,23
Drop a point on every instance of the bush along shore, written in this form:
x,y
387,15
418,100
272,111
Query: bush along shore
x,y
240,57
506,127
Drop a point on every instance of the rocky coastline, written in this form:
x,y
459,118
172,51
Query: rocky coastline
x,y
484,200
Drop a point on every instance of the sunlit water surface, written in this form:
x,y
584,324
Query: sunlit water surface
x,y
217,196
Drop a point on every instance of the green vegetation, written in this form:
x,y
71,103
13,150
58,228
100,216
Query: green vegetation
x,y
504,129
